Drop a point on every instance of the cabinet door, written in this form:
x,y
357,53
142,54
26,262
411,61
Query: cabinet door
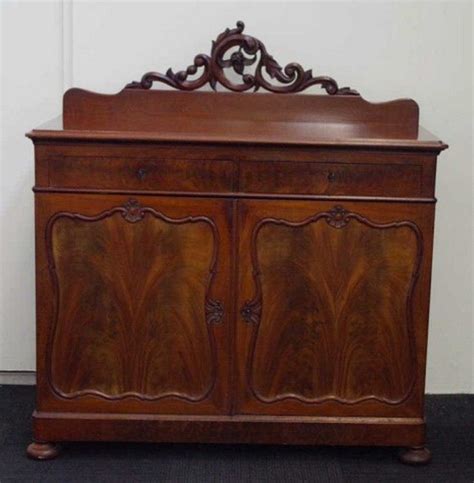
x,y
334,307
133,302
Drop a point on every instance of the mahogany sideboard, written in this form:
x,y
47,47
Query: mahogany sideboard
x,y
233,267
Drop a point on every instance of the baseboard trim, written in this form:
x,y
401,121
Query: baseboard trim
x,y
155,428
21,378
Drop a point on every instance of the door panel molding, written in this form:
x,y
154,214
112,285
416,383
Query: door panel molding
x,y
252,311
213,310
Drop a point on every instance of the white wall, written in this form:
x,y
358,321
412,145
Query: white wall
x,y
406,49
31,74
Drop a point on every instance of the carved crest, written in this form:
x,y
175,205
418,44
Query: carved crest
x,y
133,211
243,51
338,217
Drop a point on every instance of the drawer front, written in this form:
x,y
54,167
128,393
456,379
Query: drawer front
x,y
141,174
331,178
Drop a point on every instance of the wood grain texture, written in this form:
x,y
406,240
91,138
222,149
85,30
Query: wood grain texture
x,y
333,309
331,178
235,171
229,429
141,174
239,118
131,304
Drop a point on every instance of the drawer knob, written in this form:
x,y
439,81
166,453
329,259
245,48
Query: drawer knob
x,y
331,176
141,173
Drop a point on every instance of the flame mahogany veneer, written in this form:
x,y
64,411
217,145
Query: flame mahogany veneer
x,y
233,267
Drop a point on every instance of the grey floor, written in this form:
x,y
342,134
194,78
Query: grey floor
x,y
450,434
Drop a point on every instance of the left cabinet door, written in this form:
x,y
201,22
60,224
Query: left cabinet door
x,y
133,304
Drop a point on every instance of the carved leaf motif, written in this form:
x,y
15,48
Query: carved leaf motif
x,y
133,212
237,60
272,67
338,217
214,311
252,311
293,78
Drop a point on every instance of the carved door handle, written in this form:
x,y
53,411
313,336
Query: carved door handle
x,y
246,312
252,311
214,311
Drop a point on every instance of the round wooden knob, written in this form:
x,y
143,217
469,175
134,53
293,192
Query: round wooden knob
x,y
141,173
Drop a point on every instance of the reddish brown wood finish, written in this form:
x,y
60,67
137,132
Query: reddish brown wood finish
x,y
226,268
230,429
335,177
321,337
335,307
122,329
141,174
228,117
292,78
135,301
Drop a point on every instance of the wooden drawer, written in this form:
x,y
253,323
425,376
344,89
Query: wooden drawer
x,y
331,178
141,174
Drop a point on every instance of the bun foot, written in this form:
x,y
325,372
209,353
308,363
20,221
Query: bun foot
x,y
42,451
415,456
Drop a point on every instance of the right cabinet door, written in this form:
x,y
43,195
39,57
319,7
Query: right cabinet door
x,y
333,302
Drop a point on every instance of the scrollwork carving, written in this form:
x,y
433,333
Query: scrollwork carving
x,y
133,211
250,51
338,217
251,311
214,311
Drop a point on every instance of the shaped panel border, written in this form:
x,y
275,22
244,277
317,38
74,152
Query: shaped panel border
x,y
338,217
133,212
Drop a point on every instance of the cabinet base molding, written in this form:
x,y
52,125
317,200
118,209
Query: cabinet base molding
x,y
408,432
